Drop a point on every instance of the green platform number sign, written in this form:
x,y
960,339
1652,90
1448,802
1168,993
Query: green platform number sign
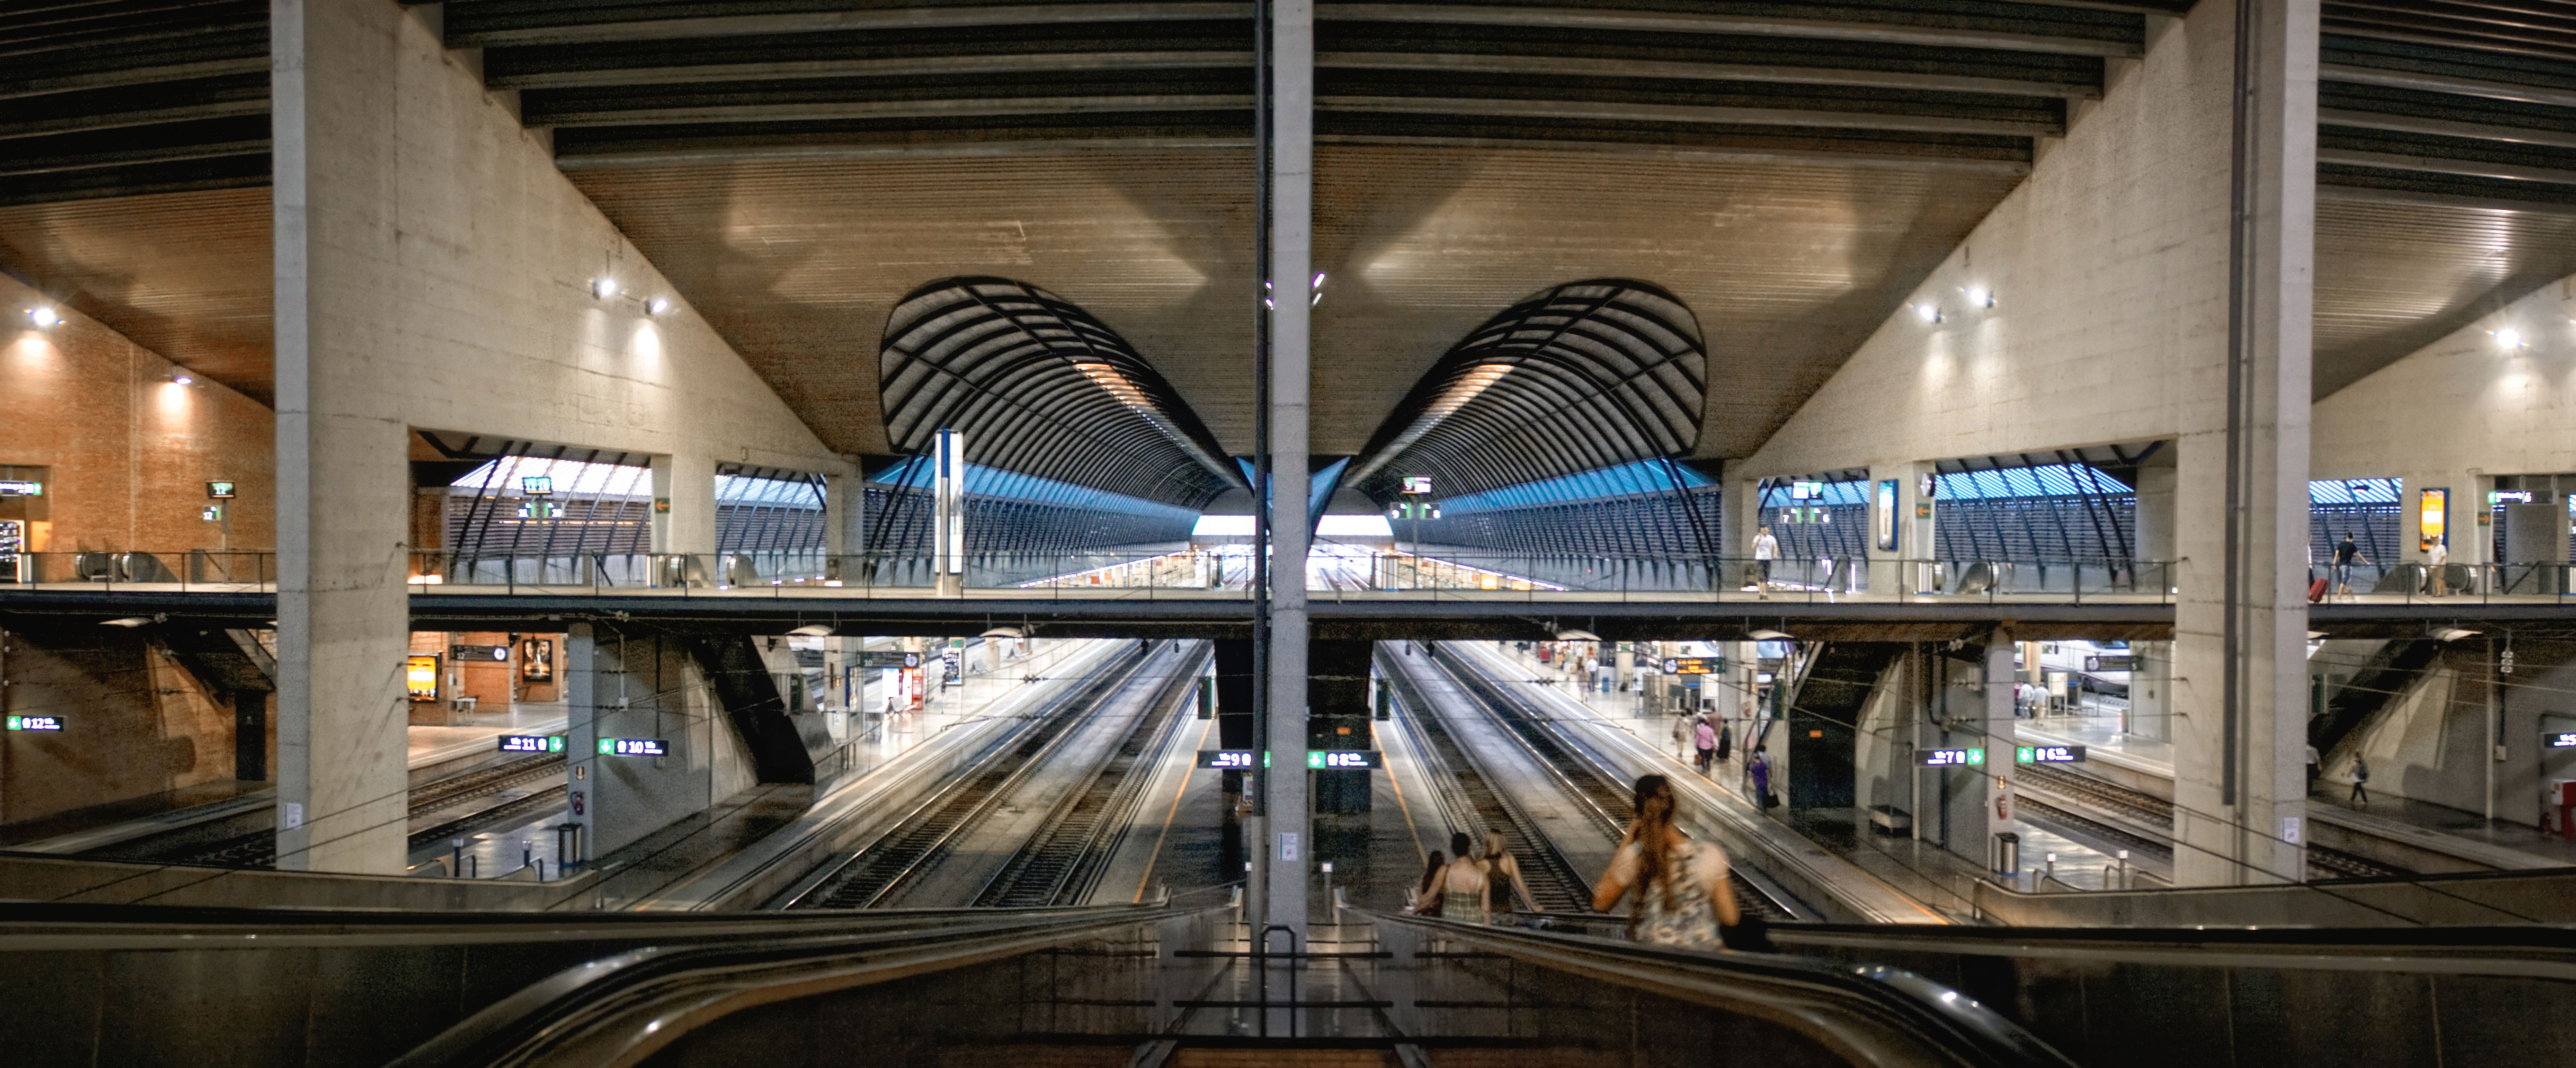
x,y
652,747
1317,759
2048,754
35,723
1950,758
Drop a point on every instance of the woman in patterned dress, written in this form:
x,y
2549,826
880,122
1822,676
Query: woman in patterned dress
x,y
1681,885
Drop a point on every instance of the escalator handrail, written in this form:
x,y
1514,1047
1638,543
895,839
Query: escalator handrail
x,y
590,996
1935,1017
2534,951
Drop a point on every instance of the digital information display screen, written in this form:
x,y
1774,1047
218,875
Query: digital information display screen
x,y
633,747
1241,759
2553,741
1949,758
2048,754
1340,758
35,723
533,743
1694,665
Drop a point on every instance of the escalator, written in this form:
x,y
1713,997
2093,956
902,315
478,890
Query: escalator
x,y
1158,984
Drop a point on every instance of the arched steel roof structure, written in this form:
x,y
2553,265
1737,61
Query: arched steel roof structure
x,y
1578,377
1040,387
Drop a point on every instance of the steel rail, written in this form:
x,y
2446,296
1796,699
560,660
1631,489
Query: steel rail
x,y
1605,796
888,866
1063,859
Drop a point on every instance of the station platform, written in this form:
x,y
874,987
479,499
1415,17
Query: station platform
x,y
2494,843
470,735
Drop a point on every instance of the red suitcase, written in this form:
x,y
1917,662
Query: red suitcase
x,y
2316,591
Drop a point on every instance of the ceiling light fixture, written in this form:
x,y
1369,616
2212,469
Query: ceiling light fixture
x,y
811,630
182,378
603,288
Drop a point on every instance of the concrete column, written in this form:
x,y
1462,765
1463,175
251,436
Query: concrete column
x,y
2467,519
1292,172
2241,497
845,514
1998,742
343,481
581,732
2153,541
1739,508
1912,525
686,483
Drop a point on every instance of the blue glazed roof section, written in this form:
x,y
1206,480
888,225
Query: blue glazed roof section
x,y
2046,480
2355,491
1640,478
982,481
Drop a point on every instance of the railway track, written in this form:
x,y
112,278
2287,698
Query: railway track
x,y
1598,790
2323,863
1549,882
880,873
259,849
1063,861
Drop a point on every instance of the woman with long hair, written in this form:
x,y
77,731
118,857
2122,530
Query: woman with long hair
x,y
1422,899
1681,885
1502,873
1460,891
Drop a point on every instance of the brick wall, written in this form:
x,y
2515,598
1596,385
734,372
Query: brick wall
x,y
127,452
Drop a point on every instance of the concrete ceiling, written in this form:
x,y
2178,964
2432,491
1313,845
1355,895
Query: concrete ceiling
x,y
799,263
183,274
796,167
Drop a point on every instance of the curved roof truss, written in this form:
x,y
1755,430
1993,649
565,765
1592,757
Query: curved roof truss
x,y
1040,387
1576,378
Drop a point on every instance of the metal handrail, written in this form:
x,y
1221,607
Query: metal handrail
x,y
619,1008
1871,1013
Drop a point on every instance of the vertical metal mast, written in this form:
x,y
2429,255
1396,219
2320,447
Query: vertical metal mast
x,y
1256,893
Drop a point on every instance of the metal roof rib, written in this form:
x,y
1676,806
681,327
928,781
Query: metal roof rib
x,y
1042,389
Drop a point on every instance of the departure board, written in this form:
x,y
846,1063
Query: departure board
x,y
532,743
2048,754
633,747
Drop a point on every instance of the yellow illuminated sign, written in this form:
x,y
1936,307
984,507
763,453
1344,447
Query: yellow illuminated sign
x,y
2433,515
420,677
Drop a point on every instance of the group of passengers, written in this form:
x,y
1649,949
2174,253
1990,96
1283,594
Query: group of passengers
x,y
1682,894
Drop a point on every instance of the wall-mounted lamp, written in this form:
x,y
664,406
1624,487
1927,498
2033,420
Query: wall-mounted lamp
x,y
1980,297
182,378
604,288
2509,338
1928,312
44,316
658,306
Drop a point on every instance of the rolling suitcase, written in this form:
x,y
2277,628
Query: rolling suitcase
x,y
2317,591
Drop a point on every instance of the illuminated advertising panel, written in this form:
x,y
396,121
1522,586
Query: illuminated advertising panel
x,y
1883,513
2433,515
420,677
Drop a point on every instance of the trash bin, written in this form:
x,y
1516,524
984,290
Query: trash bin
x,y
2007,857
